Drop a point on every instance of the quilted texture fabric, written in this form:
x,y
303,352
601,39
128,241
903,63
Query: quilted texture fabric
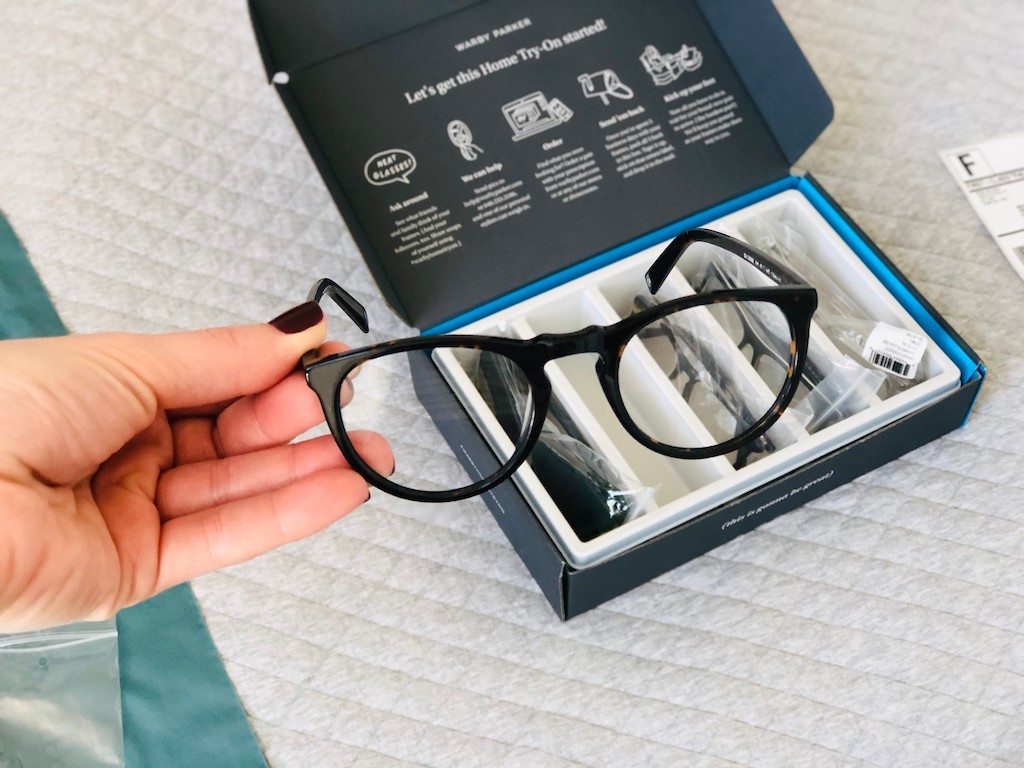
x,y
158,184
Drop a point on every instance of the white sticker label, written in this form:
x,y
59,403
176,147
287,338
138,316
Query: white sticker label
x,y
991,174
896,350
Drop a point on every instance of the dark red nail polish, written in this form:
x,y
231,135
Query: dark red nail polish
x,y
298,319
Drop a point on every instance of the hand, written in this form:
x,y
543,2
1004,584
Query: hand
x,y
131,463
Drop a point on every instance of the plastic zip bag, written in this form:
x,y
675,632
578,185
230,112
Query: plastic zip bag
x,y
846,390
60,698
830,390
593,494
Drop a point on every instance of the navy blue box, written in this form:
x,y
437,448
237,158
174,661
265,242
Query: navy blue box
x,y
410,109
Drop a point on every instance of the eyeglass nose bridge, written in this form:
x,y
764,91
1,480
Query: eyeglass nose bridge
x,y
590,340
603,341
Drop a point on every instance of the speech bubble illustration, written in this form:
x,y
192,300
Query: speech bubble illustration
x,y
389,166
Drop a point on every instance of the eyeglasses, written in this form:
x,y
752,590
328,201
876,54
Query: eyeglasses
x,y
652,409
707,386
830,389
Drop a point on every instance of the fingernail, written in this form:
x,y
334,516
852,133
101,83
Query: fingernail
x,y
298,319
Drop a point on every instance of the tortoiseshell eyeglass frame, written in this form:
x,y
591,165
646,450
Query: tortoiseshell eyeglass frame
x,y
797,300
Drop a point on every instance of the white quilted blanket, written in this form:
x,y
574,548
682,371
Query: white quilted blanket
x,y
158,184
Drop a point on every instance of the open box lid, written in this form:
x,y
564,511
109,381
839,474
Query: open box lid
x,y
475,147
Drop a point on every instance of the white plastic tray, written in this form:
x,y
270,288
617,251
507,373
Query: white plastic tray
x,y
685,489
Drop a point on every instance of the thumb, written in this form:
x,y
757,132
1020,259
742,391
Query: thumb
x,y
196,368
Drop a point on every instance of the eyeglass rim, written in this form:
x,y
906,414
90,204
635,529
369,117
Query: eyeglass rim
x,y
669,257
790,300
327,384
812,375
727,396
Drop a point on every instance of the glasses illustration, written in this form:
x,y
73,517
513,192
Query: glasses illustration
x,y
650,406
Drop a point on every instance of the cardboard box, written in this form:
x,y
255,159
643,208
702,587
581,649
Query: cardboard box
x,y
490,156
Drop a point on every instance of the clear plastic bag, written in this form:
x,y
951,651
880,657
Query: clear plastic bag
x,y
593,494
847,389
839,315
60,698
830,389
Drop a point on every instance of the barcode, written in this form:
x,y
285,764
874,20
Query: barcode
x,y
890,364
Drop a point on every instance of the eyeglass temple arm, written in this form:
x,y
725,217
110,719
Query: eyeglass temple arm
x,y
341,297
664,264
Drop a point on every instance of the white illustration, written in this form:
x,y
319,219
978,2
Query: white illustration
x,y
460,135
664,68
389,166
534,113
604,85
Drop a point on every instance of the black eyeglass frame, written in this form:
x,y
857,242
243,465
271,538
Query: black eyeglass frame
x,y
798,301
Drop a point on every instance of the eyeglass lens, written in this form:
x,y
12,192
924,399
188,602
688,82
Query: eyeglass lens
x,y
414,422
716,403
707,369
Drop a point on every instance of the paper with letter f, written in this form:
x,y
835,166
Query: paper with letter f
x,y
991,174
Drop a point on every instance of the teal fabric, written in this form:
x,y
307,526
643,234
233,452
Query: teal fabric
x,y
178,705
25,309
